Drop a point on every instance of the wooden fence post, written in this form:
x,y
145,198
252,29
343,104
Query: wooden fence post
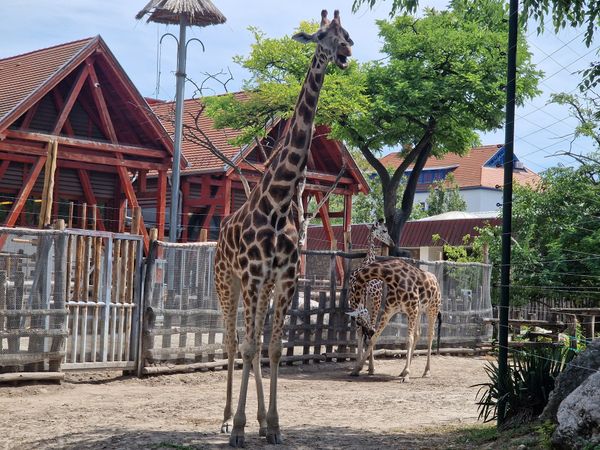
x,y
60,279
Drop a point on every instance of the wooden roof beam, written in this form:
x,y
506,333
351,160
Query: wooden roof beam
x,y
131,197
100,102
24,192
82,157
71,97
88,144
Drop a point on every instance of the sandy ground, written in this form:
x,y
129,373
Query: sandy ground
x,y
320,406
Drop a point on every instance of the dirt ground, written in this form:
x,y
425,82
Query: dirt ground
x,y
320,406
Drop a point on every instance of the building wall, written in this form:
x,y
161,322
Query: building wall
x,y
478,200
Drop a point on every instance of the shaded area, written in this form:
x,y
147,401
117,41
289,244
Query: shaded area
x,y
296,438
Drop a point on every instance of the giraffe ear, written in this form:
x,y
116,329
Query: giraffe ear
x,y
353,313
304,38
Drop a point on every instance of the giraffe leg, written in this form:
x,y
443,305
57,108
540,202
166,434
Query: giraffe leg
x,y
254,317
229,296
385,318
431,318
376,306
261,415
283,298
360,343
412,324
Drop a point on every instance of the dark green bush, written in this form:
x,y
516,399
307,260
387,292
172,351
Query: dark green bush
x,y
528,384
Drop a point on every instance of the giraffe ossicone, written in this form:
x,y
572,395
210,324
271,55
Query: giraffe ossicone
x,y
257,251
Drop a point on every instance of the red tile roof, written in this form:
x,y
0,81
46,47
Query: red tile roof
x,y
415,234
23,75
469,171
199,159
26,78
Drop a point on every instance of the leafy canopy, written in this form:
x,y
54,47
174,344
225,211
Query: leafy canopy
x,y
277,69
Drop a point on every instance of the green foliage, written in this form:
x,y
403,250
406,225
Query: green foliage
x,y
527,385
444,196
556,234
545,431
277,69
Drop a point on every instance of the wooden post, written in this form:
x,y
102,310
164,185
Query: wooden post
x,y
60,290
48,189
69,244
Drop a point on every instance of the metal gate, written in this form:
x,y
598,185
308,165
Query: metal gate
x,y
103,298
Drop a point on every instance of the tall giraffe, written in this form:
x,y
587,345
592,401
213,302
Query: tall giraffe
x,y
409,290
374,288
257,251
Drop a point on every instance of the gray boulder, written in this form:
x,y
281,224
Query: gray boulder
x,y
579,417
577,372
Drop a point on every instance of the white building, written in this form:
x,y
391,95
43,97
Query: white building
x,y
479,175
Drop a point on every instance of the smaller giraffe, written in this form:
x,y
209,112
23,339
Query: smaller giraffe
x,y
409,290
374,289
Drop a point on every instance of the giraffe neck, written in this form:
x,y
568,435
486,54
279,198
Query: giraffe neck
x,y
371,251
280,181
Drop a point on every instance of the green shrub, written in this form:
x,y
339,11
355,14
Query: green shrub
x,y
528,383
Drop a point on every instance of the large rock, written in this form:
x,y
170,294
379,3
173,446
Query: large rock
x,y
576,373
579,417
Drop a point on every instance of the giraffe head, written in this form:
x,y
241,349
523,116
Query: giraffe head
x,y
363,319
331,39
380,231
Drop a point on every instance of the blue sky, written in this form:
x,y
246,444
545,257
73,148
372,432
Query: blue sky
x,y
541,129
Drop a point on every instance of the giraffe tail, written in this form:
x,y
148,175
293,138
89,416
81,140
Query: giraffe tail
x,y
439,330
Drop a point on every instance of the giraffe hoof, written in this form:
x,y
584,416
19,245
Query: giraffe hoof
x,y
262,431
427,374
237,439
225,427
353,374
274,436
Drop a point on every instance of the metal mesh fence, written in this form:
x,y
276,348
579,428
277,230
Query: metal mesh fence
x,y
466,301
32,299
183,323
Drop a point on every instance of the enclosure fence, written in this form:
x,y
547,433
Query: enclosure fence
x,y
69,299
183,328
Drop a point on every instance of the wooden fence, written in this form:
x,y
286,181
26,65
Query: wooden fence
x,y
183,328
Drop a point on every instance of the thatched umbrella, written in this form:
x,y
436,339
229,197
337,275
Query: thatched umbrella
x,y
197,12
185,13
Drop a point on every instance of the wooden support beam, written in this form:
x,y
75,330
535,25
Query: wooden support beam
x,y
209,216
130,194
23,194
48,189
227,198
59,103
185,190
88,192
142,181
29,116
161,202
74,155
98,97
88,144
68,105
324,215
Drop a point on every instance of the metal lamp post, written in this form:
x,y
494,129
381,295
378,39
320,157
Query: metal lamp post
x,y
184,13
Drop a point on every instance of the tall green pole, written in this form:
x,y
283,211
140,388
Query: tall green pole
x,y
509,137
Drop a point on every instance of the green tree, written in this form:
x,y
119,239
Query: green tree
x,y
440,82
563,13
556,235
444,195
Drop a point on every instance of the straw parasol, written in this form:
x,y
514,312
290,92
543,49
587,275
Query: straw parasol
x,y
197,12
